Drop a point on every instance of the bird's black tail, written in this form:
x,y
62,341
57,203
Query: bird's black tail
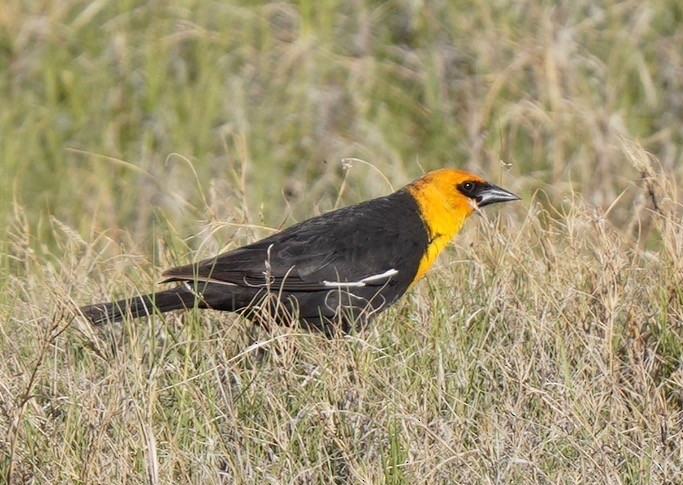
x,y
140,306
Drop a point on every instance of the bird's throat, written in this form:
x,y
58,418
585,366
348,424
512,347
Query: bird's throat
x,y
442,220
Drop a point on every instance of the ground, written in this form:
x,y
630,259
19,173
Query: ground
x,y
544,346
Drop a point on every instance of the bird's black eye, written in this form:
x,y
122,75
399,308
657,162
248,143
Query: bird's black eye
x,y
468,188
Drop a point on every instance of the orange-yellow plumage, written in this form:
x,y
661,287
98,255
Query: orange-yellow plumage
x,y
443,208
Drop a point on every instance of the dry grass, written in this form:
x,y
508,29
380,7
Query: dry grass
x,y
545,346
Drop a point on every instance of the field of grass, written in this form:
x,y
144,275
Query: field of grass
x,y
546,344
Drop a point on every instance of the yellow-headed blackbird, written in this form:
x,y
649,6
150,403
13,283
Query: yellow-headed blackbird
x,y
344,266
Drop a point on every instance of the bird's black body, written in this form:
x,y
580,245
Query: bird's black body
x,y
343,266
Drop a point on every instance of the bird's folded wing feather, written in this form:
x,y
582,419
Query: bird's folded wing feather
x,y
344,249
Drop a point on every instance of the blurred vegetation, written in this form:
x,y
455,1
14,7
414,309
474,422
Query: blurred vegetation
x,y
107,104
544,347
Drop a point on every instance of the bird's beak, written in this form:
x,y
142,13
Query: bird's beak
x,y
491,194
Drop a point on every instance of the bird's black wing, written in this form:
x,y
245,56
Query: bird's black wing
x,y
367,244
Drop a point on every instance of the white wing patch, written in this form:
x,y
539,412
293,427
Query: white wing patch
x,y
202,279
189,288
356,284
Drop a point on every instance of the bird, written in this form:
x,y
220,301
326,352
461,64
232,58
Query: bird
x,y
332,271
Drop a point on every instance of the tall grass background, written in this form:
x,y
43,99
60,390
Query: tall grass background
x,y
545,345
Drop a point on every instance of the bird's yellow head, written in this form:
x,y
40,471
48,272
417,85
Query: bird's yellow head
x,y
446,198
454,194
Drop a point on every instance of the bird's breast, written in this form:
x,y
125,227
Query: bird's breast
x,y
441,221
